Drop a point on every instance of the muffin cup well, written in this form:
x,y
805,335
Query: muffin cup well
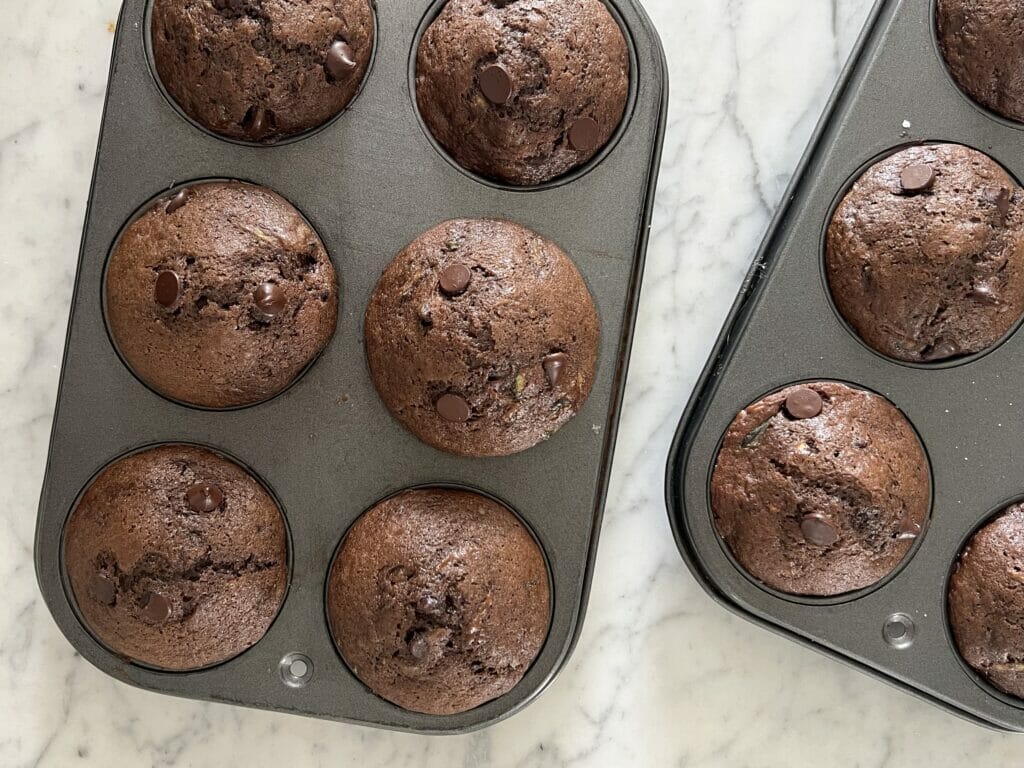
x,y
576,173
979,679
427,487
844,597
141,211
73,601
147,43
839,198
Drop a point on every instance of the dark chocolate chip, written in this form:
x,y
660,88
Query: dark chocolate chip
x,y
340,60
553,365
259,122
908,529
496,84
429,605
918,177
984,292
418,647
454,408
270,299
804,403
204,497
584,134
455,279
157,608
818,531
176,202
168,288
942,350
103,589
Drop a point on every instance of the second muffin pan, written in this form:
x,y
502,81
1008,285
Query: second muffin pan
x,y
369,182
784,329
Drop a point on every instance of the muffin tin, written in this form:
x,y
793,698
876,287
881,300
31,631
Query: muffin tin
x,y
369,182
784,329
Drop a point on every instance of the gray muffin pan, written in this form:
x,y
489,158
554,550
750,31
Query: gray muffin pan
x,y
369,182
783,329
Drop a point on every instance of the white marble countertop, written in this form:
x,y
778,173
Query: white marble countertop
x,y
661,676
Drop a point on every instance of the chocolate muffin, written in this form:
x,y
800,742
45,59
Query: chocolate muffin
x,y
482,338
820,489
983,44
986,601
438,600
220,295
522,91
177,558
262,70
925,254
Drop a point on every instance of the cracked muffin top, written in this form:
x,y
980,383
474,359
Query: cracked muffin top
x,y
981,42
220,295
925,254
262,70
177,558
522,91
986,601
820,489
482,338
439,600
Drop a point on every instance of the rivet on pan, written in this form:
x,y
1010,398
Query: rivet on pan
x,y
899,630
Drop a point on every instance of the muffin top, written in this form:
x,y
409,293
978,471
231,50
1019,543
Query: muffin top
x,y
981,42
262,70
220,295
439,600
820,489
523,91
177,558
986,601
925,254
482,338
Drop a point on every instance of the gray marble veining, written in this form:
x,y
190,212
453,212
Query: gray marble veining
x,y
661,676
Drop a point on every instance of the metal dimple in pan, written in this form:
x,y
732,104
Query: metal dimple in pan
x,y
368,182
784,329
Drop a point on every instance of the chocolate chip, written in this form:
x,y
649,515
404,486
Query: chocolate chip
x,y
553,365
804,403
204,497
168,288
918,177
176,202
584,134
908,529
984,292
455,279
103,589
454,408
418,647
496,84
259,122
157,608
942,350
429,605
818,531
340,60
269,298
